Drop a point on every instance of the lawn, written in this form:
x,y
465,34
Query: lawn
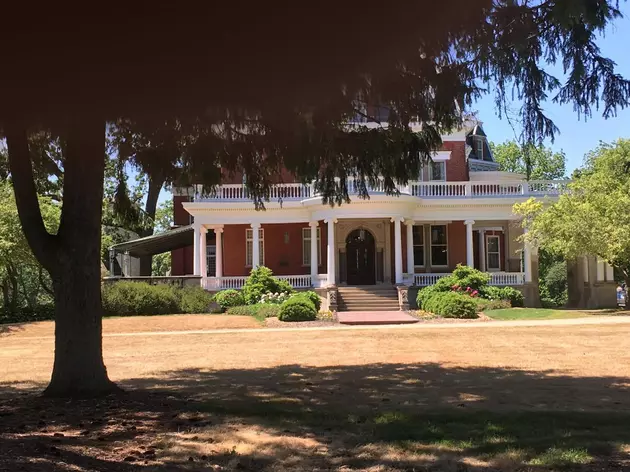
x,y
379,400
547,313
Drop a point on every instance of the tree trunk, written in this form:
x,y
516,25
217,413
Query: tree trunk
x,y
72,257
155,186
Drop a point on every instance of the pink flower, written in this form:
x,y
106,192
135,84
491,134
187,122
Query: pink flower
x,y
474,294
468,289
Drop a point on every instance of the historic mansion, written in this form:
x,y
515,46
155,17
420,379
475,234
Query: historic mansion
x,y
458,211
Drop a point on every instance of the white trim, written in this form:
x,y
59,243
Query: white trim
x,y
306,230
424,246
441,156
248,239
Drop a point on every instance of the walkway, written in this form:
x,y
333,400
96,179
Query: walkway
x,y
375,318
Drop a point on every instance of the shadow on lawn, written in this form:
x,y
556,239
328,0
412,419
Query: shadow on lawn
x,y
393,416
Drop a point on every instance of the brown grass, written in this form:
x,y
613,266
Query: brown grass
x,y
480,398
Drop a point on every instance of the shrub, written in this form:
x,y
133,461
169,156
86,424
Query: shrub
x,y
260,282
229,298
274,298
427,292
469,277
311,296
451,305
136,298
487,305
492,293
297,309
260,310
514,296
195,300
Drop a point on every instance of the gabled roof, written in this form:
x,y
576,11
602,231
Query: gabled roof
x,y
478,132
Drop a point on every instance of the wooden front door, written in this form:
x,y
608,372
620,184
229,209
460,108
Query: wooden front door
x,y
360,258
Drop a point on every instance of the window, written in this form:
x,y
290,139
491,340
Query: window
x,y
306,246
479,147
418,245
249,246
211,260
437,171
493,253
439,246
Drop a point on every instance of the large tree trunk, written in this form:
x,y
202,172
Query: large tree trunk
x,y
72,257
155,186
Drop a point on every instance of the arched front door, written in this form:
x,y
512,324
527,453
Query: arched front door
x,y
360,255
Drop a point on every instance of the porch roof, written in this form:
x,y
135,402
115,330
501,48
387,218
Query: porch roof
x,y
158,243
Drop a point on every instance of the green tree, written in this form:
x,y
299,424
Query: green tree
x,y
161,264
593,218
22,279
535,162
257,109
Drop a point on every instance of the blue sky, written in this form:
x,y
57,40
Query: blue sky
x,y
577,136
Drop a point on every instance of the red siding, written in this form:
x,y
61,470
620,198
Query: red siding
x,y
180,216
456,244
456,166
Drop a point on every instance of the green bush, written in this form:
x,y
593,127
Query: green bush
x,y
297,309
44,312
487,305
492,292
259,310
515,297
450,305
311,296
229,298
260,282
195,300
135,298
465,277
427,292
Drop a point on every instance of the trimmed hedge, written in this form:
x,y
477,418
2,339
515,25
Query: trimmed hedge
x,y
195,300
135,298
451,305
486,305
260,310
297,308
310,296
515,297
229,298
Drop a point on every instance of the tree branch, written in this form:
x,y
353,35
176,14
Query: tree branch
x,y
42,243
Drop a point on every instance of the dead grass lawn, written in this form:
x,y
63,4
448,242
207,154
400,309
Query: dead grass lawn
x,y
516,398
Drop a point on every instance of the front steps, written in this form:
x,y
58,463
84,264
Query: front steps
x,y
368,298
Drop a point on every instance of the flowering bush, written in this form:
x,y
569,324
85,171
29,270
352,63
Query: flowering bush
x,y
469,291
275,298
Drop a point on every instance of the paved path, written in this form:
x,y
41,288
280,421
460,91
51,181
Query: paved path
x,y
596,320
375,317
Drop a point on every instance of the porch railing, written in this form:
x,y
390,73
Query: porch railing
x,y
496,278
224,283
431,190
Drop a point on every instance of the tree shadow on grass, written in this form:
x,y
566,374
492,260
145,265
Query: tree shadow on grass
x,y
385,417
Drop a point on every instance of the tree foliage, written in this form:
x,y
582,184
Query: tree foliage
x,y
537,162
593,218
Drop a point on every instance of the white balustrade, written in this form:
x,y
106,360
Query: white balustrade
x,y
296,281
322,280
496,278
225,283
423,280
507,278
438,190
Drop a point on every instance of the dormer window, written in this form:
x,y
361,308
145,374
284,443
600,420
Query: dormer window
x,y
480,144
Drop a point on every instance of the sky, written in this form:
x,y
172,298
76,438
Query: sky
x,y
577,136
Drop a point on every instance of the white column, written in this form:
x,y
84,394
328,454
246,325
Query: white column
x,y
331,251
482,250
196,260
527,255
410,261
470,255
398,250
314,260
219,251
203,253
255,245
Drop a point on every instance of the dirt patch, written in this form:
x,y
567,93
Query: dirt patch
x,y
379,400
142,324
